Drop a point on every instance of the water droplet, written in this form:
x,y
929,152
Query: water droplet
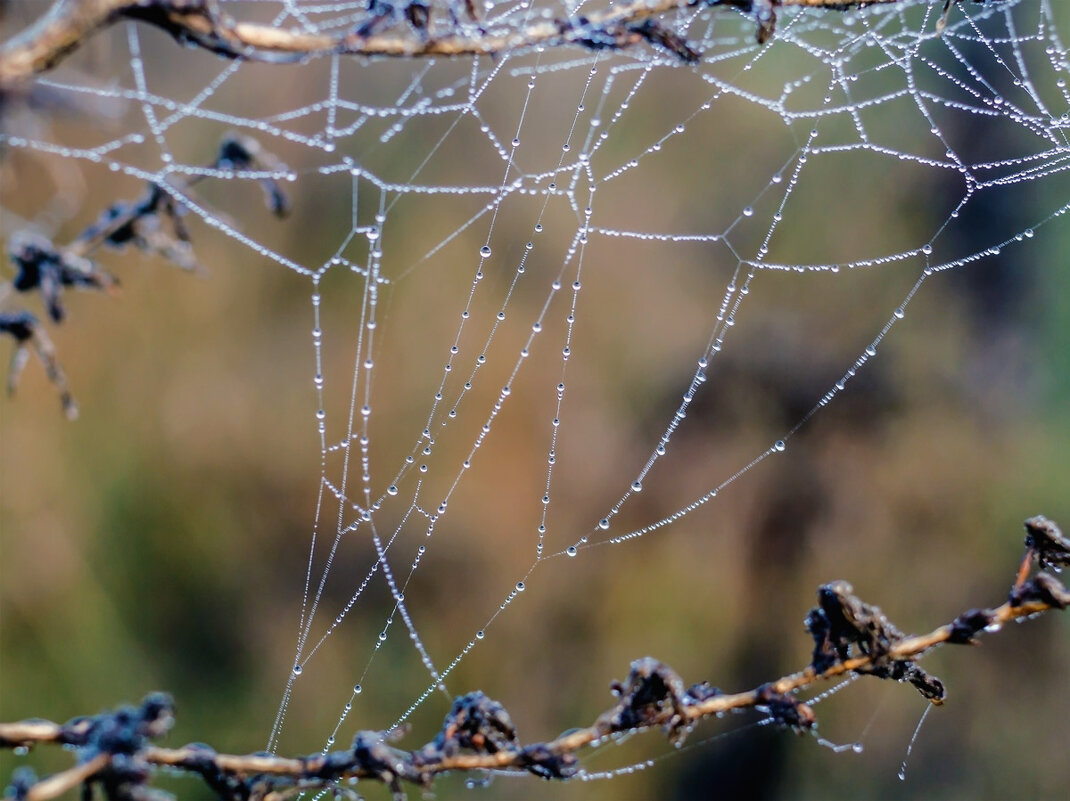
x,y
298,670
603,523
913,739
780,445
485,251
480,635
748,211
571,550
520,586
357,689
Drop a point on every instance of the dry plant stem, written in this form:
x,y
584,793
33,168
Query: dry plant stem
x,y
1023,569
69,22
307,769
906,649
60,783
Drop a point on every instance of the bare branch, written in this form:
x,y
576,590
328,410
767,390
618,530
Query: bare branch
x,y
69,22
152,224
478,735
60,783
29,334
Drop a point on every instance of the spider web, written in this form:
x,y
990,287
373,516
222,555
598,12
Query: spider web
x,y
475,223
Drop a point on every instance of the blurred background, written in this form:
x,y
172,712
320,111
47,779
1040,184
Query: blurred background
x,y
161,540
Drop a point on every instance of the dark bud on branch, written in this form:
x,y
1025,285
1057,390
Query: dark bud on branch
x,y
418,15
701,691
966,627
619,34
23,780
44,266
476,723
653,694
153,224
1041,589
240,152
785,709
1047,542
387,764
843,626
541,760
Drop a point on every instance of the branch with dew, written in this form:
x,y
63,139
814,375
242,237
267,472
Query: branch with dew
x,y
115,752
405,29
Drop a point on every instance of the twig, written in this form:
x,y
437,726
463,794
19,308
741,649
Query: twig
x,y
153,224
60,783
850,636
69,22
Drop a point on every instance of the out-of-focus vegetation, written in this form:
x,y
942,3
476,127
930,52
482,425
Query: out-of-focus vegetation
x,y
160,541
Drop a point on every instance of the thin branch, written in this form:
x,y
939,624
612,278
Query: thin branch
x,y
199,22
850,636
153,224
60,783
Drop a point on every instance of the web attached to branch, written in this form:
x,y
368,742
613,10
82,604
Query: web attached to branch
x,y
491,215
